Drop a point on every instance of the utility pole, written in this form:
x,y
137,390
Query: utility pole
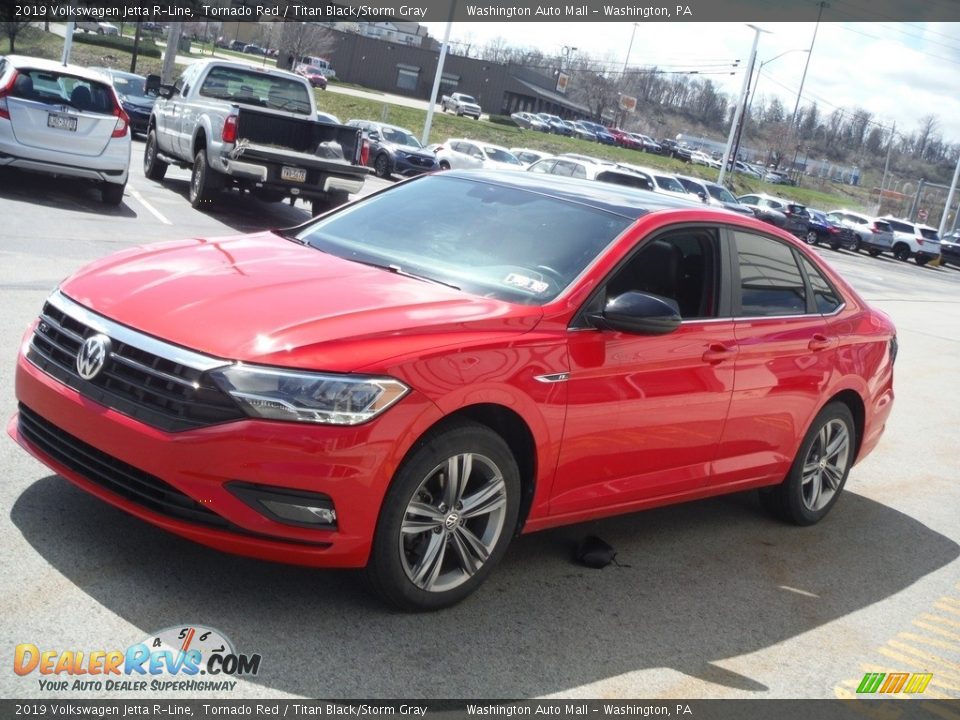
x,y
741,103
886,167
626,60
946,208
436,80
170,54
68,42
136,47
822,4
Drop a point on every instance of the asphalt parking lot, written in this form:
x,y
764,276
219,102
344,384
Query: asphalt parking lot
x,y
710,599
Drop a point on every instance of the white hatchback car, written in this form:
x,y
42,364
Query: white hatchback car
x,y
63,120
461,154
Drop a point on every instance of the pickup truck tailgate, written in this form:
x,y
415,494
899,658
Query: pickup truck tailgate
x,y
303,136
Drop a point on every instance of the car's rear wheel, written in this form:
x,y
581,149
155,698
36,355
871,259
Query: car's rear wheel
x,y
901,252
153,167
446,520
811,238
382,166
204,181
112,194
819,470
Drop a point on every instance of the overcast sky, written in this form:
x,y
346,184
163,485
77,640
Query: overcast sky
x,y
897,71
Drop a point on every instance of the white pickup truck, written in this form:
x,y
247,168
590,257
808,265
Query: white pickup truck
x,y
461,104
251,128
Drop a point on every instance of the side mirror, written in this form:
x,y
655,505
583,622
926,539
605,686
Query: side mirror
x,y
152,86
702,195
373,135
167,91
638,313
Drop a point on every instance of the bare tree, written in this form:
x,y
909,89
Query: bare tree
x,y
928,124
10,27
298,39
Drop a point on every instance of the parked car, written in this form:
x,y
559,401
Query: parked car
x,y
582,131
134,98
313,75
461,104
100,28
584,169
254,130
395,150
870,232
527,156
624,139
910,240
824,230
698,157
647,143
328,118
676,150
237,45
462,154
396,385
252,49
778,177
661,181
556,124
63,120
713,194
600,133
796,219
530,121
950,248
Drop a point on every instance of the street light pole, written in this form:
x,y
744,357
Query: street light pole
x,y
425,139
822,4
741,103
629,49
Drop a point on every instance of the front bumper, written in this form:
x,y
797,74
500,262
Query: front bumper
x,y
353,466
411,168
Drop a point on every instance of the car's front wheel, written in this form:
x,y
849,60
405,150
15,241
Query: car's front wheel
x,y
819,470
446,520
811,237
382,166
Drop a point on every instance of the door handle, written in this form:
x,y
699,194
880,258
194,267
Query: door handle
x,y
820,342
718,352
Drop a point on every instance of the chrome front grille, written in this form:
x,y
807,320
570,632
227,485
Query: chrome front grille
x,y
159,384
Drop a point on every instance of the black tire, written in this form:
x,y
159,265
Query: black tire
x,y
801,498
901,252
381,165
857,244
921,260
153,167
334,200
439,551
835,246
111,193
204,181
444,165
873,252
812,238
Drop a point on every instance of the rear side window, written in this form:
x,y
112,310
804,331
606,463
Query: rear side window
x,y
825,297
929,234
770,281
56,88
900,226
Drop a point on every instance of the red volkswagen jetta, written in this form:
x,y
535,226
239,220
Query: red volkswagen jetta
x,y
406,383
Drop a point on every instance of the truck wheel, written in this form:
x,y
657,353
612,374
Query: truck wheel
x,y
204,182
153,167
333,200
382,166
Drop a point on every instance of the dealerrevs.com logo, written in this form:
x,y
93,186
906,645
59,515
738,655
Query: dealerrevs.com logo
x,y
190,658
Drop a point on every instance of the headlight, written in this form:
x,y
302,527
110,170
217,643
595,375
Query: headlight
x,y
299,396
400,154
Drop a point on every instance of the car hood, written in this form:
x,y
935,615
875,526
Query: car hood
x,y
145,103
264,299
411,150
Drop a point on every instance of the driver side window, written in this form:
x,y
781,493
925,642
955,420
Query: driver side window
x,y
681,267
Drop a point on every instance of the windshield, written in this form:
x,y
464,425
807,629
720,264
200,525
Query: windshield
x,y
500,155
250,87
718,192
131,85
669,183
466,99
490,240
399,136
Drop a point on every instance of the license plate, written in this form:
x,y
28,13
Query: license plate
x,y
62,122
294,174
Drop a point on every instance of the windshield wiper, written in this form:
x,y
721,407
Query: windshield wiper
x,y
397,270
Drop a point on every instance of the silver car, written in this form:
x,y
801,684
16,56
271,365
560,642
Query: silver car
x,y
63,120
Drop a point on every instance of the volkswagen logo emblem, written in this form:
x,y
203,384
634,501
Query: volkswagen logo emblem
x,y
92,356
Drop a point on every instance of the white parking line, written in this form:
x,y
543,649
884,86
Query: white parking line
x,y
153,211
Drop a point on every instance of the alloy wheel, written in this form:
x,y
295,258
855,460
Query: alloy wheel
x,y
825,465
453,522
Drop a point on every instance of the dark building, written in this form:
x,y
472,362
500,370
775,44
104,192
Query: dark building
x,y
500,88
